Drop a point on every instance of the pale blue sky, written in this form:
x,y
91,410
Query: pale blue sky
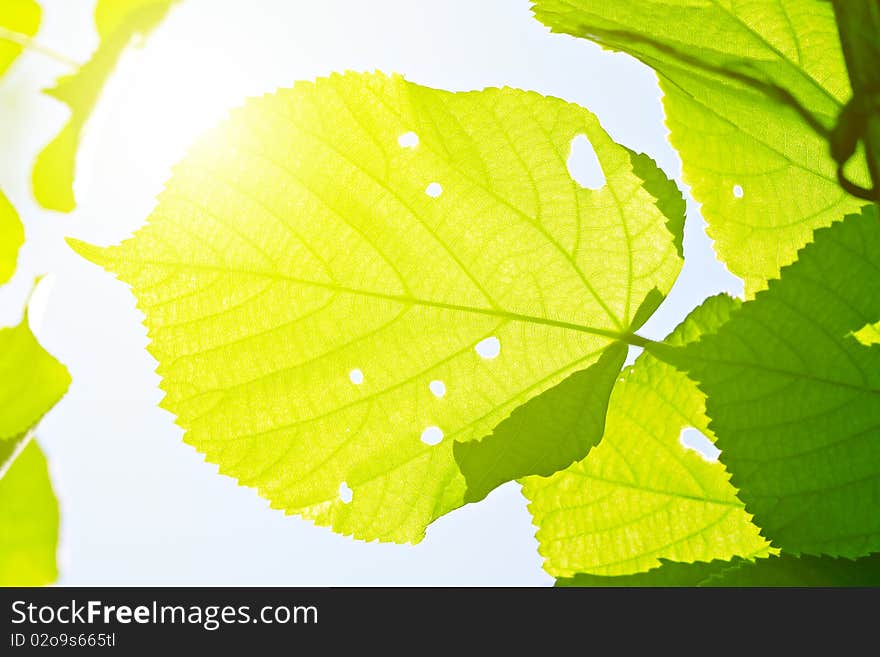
x,y
139,506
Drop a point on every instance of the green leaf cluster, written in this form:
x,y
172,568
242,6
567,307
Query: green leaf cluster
x,y
375,301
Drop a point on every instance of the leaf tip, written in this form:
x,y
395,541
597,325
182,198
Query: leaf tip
x,y
94,254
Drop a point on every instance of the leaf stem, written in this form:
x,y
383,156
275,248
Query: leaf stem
x,y
637,340
859,27
29,43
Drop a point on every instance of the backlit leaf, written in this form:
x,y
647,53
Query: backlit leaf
x,y
28,520
351,265
22,17
765,178
11,238
31,381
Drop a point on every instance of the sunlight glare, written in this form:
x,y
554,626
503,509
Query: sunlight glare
x,y
158,101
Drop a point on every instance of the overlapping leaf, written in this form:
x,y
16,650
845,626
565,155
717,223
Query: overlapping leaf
x,y
22,19
118,22
547,433
640,496
794,396
31,381
28,519
732,74
352,264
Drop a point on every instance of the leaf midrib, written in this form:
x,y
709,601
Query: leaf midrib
x,y
622,336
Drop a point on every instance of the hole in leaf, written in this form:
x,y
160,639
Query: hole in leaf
x,y
695,441
738,191
438,388
345,493
583,165
489,348
408,140
356,376
434,190
432,435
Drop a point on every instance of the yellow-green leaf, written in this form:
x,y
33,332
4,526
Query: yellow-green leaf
x,y
11,238
640,496
28,520
54,170
731,74
320,265
22,19
31,381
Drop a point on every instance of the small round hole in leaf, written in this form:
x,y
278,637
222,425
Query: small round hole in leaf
x,y
489,348
345,493
432,435
408,140
434,190
438,388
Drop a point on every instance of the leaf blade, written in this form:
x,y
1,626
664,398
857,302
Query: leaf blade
x,y
29,518
326,243
11,238
23,18
744,149
32,381
793,396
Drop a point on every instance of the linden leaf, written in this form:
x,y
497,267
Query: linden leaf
x,y
21,18
11,238
640,496
31,381
28,519
351,265
733,75
118,22
782,570
794,397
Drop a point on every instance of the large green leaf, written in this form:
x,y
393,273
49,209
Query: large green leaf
x,y
31,381
794,397
640,496
22,19
11,238
28,520
352,264
783,570
118,22
731,73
